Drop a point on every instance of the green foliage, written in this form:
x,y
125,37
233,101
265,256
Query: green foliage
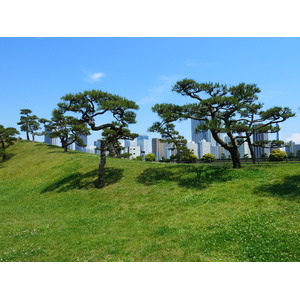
x,y
298,154
139,158
29,123
232,110
7,137
126,155
208,158
223,156
150,157
291,155
264,156
92,105
68,129
277,155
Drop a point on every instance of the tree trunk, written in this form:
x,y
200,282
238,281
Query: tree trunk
x,y
102,163
3,154
235,158
27,136
253,157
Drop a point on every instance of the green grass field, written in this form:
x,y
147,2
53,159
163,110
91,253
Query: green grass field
x,y
51,211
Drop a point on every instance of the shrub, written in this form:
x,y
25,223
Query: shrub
x,y
208,158
277,155
190,158
150,157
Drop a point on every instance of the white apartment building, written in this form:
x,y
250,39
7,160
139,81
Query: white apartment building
x,y
135,151
193,147
204,148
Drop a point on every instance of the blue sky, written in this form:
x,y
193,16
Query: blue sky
x,y
36,72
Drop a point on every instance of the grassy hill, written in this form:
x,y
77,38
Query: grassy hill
x,y
50,210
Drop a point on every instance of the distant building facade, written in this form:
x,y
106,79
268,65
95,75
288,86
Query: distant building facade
x,y
260,150
294,148
49,140
79,148
158,148
135,151
143,142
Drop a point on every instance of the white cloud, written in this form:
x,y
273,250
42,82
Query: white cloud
x,y
93,77
295,137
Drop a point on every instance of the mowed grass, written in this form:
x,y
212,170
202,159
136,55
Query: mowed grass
x,y
51,211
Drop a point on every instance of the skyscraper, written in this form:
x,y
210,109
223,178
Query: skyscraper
x,y
158,148
204,135
144,142
49,140
260,150
81,149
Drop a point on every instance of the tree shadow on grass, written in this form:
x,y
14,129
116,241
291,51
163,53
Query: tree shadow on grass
x,y
288,189
196,177
78,181
8,156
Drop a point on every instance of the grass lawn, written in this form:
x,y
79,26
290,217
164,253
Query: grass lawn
x,y
51,211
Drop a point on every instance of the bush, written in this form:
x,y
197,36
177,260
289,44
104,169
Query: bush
x,y
190,158
277,155
126,155
140,158
208,158
150,157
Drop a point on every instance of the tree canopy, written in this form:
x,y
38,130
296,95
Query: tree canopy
x,y
7,137
224,109
29,123
94,104
67,128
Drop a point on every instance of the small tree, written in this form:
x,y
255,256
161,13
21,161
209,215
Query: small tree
x,y
126,155
291,155
29,123
94,104
68,129
246,157
171,136
298,154
264,156
223,156
208,158
277,155
150,157
7,137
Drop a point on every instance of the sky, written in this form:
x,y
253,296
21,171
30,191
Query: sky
x,y
36,72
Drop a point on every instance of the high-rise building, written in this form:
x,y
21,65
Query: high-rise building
x,y
193,147
294,148
143,142
97,147
204,148
129,143
244,149
81,149
199,136
260,150
169,150
49,140
158,148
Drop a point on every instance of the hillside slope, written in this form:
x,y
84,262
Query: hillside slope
x,y
51,211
